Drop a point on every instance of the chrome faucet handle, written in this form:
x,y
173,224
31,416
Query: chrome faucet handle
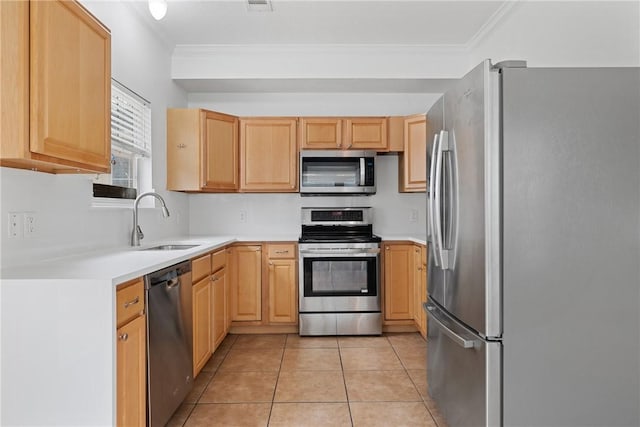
x,y
140,233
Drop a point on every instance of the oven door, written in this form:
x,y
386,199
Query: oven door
x,y
339,279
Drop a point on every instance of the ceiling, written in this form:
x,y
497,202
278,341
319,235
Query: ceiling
x,y
401,22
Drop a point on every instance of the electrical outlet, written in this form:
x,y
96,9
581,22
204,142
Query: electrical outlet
x,y
243,215
413,216
29,221
15,225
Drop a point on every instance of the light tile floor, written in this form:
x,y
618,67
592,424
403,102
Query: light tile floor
x,y
291,381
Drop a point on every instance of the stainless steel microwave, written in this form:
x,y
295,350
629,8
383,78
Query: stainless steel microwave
x,y
339,172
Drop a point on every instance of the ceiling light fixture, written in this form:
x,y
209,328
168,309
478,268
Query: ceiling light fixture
x,y
158,8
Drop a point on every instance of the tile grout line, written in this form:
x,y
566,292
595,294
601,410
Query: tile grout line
x,y
416,387
344,381
275,388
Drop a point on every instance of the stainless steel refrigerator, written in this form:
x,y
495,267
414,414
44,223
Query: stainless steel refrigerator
x,y
534,247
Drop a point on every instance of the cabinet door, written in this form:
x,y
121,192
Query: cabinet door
x,y
201,300
219,306
423,291
131,374
398,281
70,85
320,133
246,283
282,291
413,161
366,133
268,155
419,289
220,140
183,149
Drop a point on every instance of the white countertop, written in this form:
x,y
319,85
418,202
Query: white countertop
x,y
419,239
118,265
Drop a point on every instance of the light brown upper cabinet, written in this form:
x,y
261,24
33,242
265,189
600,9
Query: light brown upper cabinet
x,y
324,133
202,151
56,88
412,167
357,133
268,155
366,133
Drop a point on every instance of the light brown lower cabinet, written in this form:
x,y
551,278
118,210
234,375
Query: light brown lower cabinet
x,y
398,281
131,361
405,285
283,303
246,283
201,300
420,289
219,306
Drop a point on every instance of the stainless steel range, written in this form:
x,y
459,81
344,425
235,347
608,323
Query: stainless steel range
x,y
339,273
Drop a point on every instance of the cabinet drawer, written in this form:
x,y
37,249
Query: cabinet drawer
x,y
129,301
285,250
218,260
200,267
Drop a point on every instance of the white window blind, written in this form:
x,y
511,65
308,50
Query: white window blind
x,y
130,121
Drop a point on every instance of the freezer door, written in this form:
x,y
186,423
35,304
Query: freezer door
x,y
463,372
465,204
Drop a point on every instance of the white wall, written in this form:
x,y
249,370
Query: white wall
x,y
278,215
565,34
62,204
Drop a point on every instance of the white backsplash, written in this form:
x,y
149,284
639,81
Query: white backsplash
x,y
279,214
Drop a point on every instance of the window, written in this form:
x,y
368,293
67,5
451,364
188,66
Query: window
x,y
130,146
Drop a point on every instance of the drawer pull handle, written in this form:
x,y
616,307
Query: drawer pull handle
x,y
282,252
182,145
132,302
124,337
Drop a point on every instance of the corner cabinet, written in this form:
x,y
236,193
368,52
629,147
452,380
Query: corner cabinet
x,y
268,155
412,166
56,88
131,366
202,151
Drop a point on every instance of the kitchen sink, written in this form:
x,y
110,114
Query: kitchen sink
x,y
170,247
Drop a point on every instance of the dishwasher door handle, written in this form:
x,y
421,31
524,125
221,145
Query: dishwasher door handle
x,y
172,283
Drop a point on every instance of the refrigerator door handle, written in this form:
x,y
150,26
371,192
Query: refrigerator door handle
x,y
442,146
464,342
432,173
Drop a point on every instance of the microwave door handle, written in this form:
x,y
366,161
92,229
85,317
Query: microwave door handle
x,y
362,172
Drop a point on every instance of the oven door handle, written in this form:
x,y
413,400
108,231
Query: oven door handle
x,y
338,252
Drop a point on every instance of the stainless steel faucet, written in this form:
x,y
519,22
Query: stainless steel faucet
x,y
136,233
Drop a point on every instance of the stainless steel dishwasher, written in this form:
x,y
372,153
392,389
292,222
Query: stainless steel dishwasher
x,y
170,338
